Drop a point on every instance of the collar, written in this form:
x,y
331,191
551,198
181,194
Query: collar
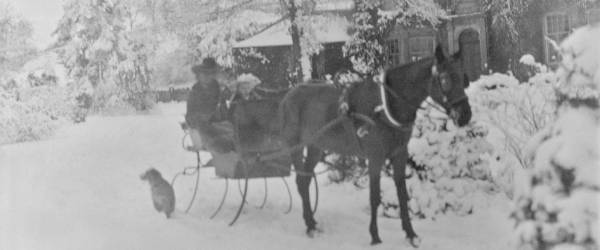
x,y
384,108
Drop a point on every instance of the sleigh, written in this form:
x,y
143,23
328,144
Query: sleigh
x,y
256,154
245,161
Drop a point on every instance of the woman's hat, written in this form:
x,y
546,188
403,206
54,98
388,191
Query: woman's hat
x,y
209,65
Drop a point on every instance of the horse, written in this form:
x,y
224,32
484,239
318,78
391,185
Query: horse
x,y
392,105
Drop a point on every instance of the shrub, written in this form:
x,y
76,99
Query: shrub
x,y
513,112
33,113
25,120
447,165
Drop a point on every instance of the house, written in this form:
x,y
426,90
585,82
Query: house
x,y
273,47
555,20
464,29
267,54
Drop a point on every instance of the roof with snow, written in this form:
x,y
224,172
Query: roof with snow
x,y
328,29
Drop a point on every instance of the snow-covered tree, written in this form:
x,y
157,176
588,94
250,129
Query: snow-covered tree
x,y
96,47
374,20
557,201
15,40
216,38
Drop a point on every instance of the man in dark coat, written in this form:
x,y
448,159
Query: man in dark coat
x,y
204,97
201,108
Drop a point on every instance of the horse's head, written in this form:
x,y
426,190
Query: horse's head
x,y
448,84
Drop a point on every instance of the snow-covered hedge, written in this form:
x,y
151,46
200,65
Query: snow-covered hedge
x,y
556,205
28,114
449,167
513,112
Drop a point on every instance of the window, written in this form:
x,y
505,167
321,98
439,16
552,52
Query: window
x,y
557,27
448,5
394,52
593,16
420,47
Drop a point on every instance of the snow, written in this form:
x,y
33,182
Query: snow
x,y
334,5
527,59
81,190
333,29
580,53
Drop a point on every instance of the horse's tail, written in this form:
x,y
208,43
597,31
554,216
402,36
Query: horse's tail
x,y
288,115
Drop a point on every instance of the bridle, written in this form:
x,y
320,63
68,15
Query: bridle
x,y
436,81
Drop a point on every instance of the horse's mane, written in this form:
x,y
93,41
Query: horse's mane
x,y
426,60
409,71
408,66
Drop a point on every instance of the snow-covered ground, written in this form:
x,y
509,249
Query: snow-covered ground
x,y
81,190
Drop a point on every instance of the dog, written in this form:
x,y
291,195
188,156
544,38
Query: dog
x,y
163,195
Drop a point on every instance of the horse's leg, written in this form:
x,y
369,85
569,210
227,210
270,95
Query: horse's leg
x,y
303,178
375,164
399,162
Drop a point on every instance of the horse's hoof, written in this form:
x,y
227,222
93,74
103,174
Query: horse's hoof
x,y
312,232
375,242
414,241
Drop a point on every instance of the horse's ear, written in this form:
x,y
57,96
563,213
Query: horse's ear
x,y
440,55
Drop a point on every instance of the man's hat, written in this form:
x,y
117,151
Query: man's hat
x,y
209,65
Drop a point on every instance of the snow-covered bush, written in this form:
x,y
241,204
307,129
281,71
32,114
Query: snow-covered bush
x,y
33,113
532,66
22,122
448,166
53,101
513,112
556,206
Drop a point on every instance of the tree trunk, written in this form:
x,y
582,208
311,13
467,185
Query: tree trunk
x,y
295,67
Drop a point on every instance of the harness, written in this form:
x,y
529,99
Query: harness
x,y
384,107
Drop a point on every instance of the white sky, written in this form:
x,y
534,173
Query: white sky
x,y
43,15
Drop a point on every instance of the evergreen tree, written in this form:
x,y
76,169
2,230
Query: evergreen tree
x,y
96,48
556,204
15,40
